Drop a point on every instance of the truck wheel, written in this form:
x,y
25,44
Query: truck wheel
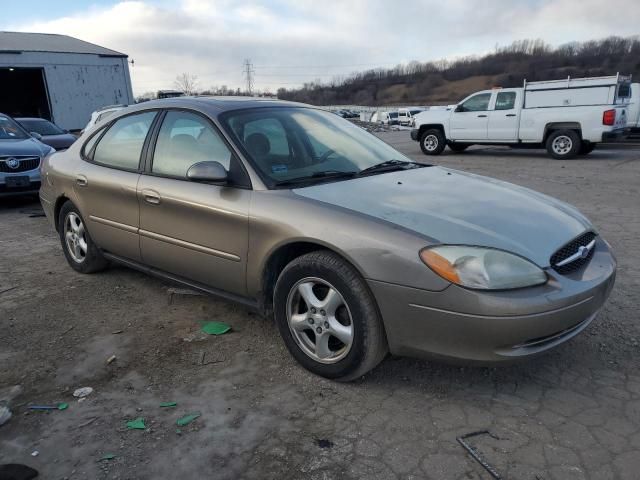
x,y
328,318
586,148
459,147
563,144
432,142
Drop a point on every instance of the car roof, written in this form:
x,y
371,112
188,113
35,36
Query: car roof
x,y
20,119
217,105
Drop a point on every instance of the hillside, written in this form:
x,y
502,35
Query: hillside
x,y
445,82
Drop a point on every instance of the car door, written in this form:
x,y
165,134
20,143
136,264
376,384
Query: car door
x,y
504,117
470,119
106,183
197,231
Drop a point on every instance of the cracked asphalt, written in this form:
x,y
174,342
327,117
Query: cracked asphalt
x,y
571,414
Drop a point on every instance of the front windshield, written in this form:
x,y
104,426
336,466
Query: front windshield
x,y
288,143
43,127
10,130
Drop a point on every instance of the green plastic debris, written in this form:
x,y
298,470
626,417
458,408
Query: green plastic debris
x,y
137,424
63,406
215,328
108,456
187,419
168,404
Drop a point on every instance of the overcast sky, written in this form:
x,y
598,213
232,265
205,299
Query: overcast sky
x,y
293,41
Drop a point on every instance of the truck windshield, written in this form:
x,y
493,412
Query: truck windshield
x,y
10,130
294,143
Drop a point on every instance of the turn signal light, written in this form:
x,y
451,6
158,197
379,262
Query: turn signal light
x,y
440,265
609,117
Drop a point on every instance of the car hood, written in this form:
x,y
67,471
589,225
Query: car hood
x,y
452,207
28,146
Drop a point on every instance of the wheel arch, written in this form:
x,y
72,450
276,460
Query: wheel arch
x,y
60,201
428,126
279,258
553,126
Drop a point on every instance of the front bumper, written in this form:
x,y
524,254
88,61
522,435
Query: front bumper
x,y
32,187
472,326
414,134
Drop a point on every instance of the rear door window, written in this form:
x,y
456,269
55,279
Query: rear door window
x,y
121,146
505,101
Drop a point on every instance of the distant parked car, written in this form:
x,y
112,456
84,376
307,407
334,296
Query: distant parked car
x,y
101,114
406,116
47,132
386,118
20,157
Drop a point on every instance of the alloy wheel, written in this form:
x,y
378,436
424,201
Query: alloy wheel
x,y
562,145
75,237
319,320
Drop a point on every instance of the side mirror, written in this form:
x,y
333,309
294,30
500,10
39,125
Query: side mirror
x,y
207,172
36,135
459,108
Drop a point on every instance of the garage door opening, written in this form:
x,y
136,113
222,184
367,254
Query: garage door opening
x,y
24,93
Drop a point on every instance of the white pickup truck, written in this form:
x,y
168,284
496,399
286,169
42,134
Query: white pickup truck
x,y
567,117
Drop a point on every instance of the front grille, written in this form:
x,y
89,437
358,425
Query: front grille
x,y
24,164
570,249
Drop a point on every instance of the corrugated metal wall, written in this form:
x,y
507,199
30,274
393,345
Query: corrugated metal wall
x,y
77,84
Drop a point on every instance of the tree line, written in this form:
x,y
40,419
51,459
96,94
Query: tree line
x,y
422,82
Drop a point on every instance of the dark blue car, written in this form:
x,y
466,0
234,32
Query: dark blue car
x,y
20,157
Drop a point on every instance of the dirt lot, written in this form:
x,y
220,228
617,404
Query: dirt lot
x,y
572,414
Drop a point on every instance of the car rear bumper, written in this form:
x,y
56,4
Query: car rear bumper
x,y
467,326
614,135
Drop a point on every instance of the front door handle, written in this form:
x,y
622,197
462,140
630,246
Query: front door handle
x,y
510,115
482,116
151,196
81,180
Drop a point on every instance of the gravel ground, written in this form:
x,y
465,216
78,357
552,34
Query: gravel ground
x,y
572,414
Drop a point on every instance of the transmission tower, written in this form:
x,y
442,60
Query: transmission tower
x,y
248,71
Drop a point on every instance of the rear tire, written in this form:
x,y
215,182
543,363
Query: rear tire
x,y
563,144
433,142
458,147
82,254
586,148
328,318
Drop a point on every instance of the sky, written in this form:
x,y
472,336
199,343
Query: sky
x,y
290,42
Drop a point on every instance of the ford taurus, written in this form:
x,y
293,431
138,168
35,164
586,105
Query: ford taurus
x,y
353,248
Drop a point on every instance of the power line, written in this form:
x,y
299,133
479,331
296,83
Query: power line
x,y
248,74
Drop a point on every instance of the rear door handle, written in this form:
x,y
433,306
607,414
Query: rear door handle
x,y
151,196
510,115
81,180
482,116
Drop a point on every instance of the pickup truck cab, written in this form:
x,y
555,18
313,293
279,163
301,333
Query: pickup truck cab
x,y
567,117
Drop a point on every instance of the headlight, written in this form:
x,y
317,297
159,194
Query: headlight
x,y
482,268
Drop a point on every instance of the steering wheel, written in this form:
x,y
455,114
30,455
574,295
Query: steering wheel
x,y
325,155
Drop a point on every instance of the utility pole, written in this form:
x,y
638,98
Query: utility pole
x,y
247,69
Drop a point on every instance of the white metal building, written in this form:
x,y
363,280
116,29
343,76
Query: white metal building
x,y
60,78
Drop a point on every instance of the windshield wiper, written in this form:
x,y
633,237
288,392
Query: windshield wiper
x,y
390,166
327,174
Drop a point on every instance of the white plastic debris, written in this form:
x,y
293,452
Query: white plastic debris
x,y
35,453
83,392
5,415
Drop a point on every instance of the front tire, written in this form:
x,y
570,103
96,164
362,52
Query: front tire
x,y
433,142
82,254
563,144
328,318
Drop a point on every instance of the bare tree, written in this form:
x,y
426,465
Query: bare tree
x,y
187,83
